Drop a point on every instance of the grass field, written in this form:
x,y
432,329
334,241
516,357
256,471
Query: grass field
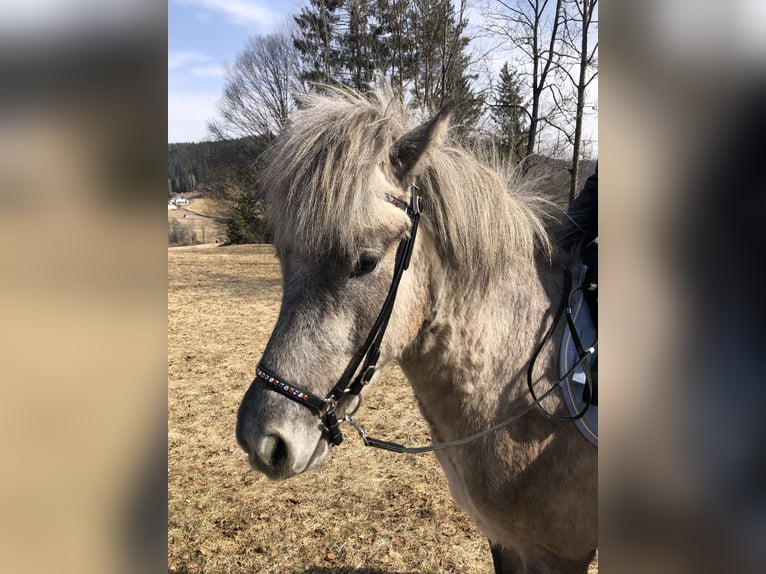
x,y
197,221
363,512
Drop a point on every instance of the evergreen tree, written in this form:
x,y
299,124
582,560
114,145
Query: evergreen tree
x,y
440,62
419,45
318,40
510,115
359,44
395,42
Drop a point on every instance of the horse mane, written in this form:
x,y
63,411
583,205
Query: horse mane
x,y
319,194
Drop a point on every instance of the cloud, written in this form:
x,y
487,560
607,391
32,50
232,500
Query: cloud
x,y
238,11
211,70
178,59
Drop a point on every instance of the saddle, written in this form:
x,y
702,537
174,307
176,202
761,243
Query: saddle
x,y
581,332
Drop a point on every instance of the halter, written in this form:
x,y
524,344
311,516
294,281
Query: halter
x,y
325,408
369,352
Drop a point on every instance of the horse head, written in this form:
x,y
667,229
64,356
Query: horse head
x,y
337,176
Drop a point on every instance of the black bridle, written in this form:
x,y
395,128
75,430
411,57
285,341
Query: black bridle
x,y
367,355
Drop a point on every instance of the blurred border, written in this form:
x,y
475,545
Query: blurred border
x,y
83,124
83,115
682,442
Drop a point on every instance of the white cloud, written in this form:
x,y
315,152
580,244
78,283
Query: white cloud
x,y
179,58
211,70
238,11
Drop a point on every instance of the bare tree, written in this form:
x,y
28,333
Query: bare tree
x,y
258,88
532,29
578,22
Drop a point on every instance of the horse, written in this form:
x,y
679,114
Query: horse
x,y
346,180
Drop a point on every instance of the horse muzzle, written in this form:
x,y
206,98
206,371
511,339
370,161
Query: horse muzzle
x,y
281,439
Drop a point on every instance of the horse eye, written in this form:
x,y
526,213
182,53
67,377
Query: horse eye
x,y
366,264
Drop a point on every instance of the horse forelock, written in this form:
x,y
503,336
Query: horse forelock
x,y
323,199
319,170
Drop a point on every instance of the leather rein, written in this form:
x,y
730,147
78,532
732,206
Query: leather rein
x,y
369,353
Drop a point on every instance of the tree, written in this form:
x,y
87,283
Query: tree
x,y
440,62
316,38
419,45
258,88
395,42
245,221
363,52
510,115
532,28
578,19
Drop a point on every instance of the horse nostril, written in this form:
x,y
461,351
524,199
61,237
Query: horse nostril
x,y
279,454
273,452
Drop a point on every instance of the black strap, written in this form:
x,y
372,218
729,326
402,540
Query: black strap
x,y
378,327
583,354
556,319
302,396
370,350
371,346
589,395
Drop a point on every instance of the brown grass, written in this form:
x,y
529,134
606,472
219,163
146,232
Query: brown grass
x,y
363,512
202,229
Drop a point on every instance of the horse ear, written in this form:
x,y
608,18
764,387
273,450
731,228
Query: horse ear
x,y
411,146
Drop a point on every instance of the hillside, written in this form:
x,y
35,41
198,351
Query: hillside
x,y
206,166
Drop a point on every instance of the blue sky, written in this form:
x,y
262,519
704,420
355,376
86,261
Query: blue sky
x,y
204,36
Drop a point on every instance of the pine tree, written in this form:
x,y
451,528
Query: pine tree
x,y
419,45
440,61
510,115
395,42
359,44
318,41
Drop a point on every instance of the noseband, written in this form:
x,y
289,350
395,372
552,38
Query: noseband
x,y
369,353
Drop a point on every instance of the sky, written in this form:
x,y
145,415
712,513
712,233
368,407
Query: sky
x,y
206,35
203,37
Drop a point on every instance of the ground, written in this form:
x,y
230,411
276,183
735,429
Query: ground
x,y
364,511
200,221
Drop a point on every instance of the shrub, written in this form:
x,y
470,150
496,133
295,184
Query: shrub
x,y
246,223
180,234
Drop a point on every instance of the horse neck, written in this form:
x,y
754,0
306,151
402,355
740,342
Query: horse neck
x,y
476,344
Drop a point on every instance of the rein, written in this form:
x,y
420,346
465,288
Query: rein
x,y
584,354
326,408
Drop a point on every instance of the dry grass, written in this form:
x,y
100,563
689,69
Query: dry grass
x,y
203,229
363,512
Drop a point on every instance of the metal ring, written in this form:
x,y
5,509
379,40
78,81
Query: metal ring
x,y
330,406
356,408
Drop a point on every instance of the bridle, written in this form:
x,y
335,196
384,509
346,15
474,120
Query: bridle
x,y
367,355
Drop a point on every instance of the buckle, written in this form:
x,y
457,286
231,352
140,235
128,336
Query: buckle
x,y
332,424
415,204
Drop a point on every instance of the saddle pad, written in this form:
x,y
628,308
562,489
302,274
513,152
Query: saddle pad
x,y
574,385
